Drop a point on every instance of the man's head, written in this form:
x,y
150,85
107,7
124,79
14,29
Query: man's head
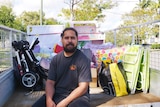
x,y
69,38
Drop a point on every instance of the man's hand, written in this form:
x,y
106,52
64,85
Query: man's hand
x,y
50,103
49,93
63,103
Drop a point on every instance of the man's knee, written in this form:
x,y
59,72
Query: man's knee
x,y
41,102
80,102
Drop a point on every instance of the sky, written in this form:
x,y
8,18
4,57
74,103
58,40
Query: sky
x,y
52,8
113,16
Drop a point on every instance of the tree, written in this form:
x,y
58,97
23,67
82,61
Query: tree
x,y
88,10
6,16
30,18
72,4
33,18
50,21
121,38
18,24
145,11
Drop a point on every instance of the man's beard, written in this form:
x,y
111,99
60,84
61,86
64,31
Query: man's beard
x,y
69,50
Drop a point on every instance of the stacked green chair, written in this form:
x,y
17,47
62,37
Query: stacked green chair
x,y
131,62
143,79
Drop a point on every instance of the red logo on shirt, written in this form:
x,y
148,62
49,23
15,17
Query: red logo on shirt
x,y
73,67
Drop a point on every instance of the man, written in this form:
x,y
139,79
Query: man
x,y
69,76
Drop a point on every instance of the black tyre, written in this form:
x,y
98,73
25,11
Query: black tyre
x,y
29,80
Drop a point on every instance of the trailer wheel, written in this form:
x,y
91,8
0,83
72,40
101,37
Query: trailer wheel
x,y
29,80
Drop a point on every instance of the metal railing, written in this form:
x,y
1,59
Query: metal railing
x,y
155,59
7,35
133,30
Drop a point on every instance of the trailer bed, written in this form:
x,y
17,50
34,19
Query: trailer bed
x,y
98,99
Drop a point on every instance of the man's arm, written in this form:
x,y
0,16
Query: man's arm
x,y
79,91
49,93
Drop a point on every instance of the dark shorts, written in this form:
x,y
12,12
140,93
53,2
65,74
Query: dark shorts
x,y
79,102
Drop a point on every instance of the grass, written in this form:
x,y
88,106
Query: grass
x,y
5,61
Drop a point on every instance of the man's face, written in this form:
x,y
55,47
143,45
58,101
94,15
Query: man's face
x,y
69,41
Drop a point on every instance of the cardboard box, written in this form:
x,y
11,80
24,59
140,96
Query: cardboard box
x,y
94,72
93,84
94,78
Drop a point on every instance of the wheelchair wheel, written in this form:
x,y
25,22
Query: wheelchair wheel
x,y
29,80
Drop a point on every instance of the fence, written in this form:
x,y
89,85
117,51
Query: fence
x,y
130,36
135,34
7,35
155,59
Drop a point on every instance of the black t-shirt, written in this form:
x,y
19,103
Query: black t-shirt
x,y
69,71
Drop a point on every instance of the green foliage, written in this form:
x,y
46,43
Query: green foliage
x,y
50,21
109,37
149,4
146,11
6,16
155,46
121,38
18,25
30,18
33,18
88,10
